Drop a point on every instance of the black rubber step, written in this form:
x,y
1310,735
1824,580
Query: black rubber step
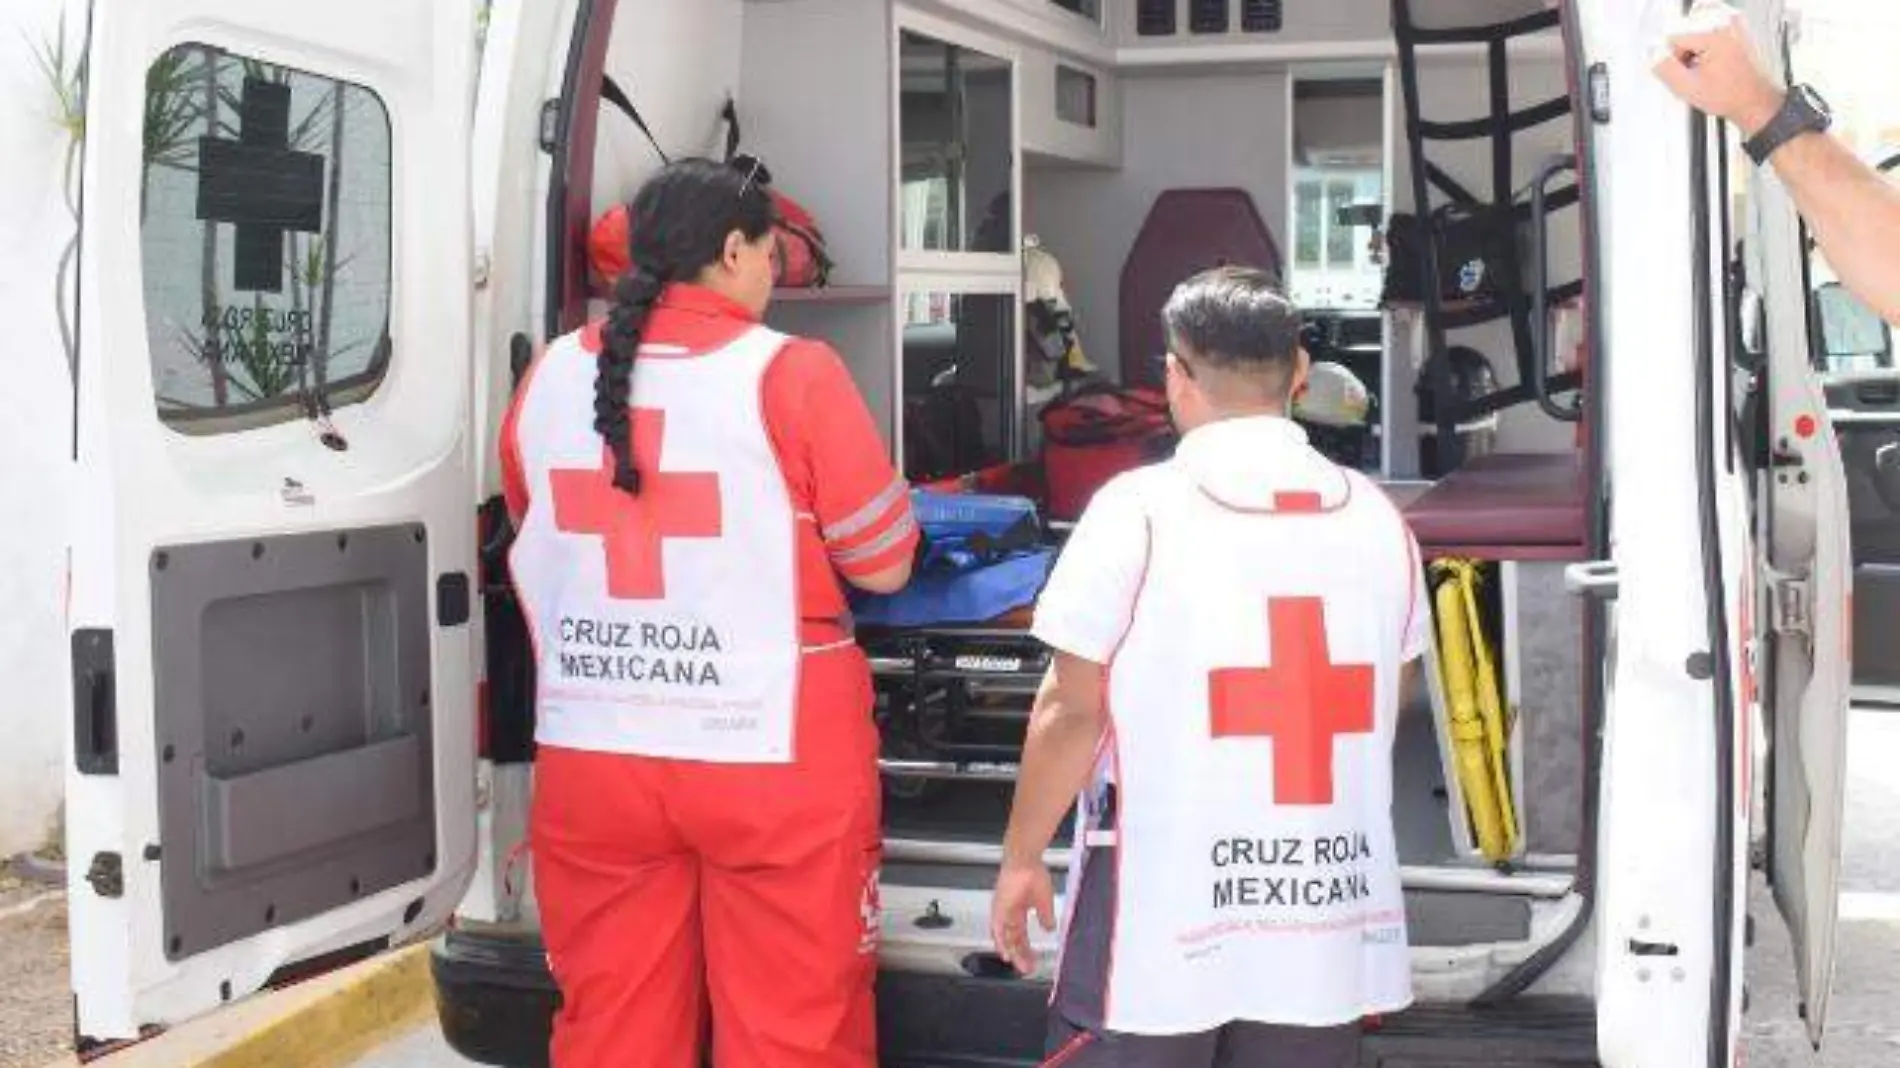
x,y
1528,1033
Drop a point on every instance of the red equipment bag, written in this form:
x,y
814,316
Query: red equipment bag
x,y
803,260
1096,433
803,263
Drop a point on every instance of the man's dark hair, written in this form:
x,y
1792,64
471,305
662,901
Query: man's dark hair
x,y
1233,319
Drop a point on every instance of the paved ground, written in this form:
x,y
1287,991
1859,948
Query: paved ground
x,y
35,1006
1864,1021
1864,1031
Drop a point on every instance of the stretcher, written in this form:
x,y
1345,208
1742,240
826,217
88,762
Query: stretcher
x,y
952,701
1476,721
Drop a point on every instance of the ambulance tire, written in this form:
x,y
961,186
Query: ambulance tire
x,y
495,998
496,1001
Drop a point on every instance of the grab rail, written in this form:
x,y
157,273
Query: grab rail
x,y
1540,290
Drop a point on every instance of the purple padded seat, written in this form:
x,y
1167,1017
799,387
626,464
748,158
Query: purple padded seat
x,y
1186,232
1505,506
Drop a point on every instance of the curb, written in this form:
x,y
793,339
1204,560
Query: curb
x,y
326,1022
36,870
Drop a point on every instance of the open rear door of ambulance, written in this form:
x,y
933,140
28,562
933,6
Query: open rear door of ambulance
x,y
273,728
1807,640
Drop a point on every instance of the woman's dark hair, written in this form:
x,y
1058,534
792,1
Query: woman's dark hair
x,y
678,224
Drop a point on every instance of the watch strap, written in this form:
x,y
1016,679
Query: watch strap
x,y
1798,115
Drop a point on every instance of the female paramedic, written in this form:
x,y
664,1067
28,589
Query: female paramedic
x,y
689,487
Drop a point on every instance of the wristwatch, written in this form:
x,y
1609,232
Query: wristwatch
x,y
1802,112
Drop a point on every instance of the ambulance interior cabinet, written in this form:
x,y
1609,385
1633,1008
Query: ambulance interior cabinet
x,y
1071,111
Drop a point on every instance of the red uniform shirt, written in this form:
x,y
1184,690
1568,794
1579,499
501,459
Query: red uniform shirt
x,y
854,515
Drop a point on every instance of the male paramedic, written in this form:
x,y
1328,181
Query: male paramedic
x,y
689,489
1229,631
1854,213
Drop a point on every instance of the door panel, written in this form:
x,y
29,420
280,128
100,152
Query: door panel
x,y
299,676
1807,636
273,729
1855,352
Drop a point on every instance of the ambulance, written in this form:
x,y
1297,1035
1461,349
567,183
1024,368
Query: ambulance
x,y
316,242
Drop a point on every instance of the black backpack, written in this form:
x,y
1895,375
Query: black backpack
x,y
1477,254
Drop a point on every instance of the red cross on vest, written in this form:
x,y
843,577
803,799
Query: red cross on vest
x,y
1302,700
634,528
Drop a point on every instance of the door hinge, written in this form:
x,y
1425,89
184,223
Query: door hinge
x,y
550,132
482,267
107,875
1599,79
1790,598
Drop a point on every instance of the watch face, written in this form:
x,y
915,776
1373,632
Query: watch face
x,y
1815,101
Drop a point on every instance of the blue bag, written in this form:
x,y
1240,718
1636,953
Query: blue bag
x,y
982,556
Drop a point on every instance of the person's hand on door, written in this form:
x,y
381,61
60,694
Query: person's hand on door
x,y
1711,63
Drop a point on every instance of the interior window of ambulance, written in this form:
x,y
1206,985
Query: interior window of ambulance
x,y
959,382
1850,338
1338,166
958,167
265,237
1088,9
1333,264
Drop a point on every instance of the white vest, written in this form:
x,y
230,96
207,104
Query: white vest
x,y
664,624
1254,700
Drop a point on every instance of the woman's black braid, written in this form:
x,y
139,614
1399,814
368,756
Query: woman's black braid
x,y
679,222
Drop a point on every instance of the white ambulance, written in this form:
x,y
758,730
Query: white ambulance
x,y
316,239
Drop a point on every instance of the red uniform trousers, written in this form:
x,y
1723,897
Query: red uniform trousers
x,y
665,885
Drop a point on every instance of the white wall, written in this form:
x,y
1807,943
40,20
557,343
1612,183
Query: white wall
x,y
678,60
35,433
822,127
1178,132
817,95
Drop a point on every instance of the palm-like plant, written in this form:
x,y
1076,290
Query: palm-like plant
x,y
66,79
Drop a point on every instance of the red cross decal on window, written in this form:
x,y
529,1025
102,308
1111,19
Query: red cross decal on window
x,y
1302,700
634,529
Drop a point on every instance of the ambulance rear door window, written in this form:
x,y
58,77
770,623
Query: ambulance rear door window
x,y
265,236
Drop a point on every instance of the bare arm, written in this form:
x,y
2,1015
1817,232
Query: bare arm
x,y
1065,730
1058,754
889,580
1853,213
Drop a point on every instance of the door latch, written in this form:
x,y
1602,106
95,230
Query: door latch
x,y
1599,579
107,875
1790,598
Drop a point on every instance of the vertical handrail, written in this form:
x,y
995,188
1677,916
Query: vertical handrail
x,y
1540,290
